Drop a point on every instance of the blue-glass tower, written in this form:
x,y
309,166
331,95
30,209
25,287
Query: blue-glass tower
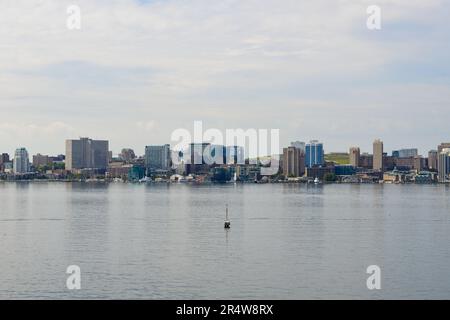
x,y
314,154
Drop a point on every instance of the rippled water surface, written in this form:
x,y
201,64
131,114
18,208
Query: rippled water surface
x,y
168,241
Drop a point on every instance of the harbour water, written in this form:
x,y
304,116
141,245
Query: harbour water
x,y
287,241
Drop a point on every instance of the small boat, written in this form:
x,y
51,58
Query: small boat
x,y
316,180
227,223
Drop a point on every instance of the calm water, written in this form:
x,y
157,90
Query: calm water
x,y
168,241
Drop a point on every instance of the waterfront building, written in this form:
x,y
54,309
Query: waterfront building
x,y
136,172
355,154
344,170
234,155
293,162
194,160
86,153
196,153
408,153
392,177
433,160
221,174
366,161
21,162
444,165
319,172
378,155
425,177
40,160
299,145
4,158
8,167
314,154
419,163
157,158
442,146
389,162
118,170
248,172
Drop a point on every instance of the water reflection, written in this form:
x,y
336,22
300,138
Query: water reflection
x,y
168,241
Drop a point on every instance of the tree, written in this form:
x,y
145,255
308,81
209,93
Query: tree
x,y
329,177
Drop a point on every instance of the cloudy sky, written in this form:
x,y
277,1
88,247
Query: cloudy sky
x,y
138,70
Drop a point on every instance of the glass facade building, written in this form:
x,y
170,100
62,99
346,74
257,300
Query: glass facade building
x,y
314,155
157,158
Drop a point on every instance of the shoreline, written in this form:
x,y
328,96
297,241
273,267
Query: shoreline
x,y
216,183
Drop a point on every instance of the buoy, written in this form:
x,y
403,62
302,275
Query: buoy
x,y
227,223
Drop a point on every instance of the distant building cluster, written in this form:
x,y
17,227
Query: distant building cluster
x,y
86,158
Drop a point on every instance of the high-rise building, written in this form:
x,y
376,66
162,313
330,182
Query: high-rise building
x,y
4,158
293,162
157,158
86,153
197,152
40,160
355,154
196,160
442,146
444,165
299,145
21,162
408,153
366,160
314,155
433,160
419,163
234,155
378,155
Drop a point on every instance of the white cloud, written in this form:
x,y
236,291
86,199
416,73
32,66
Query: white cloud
x,y
221,60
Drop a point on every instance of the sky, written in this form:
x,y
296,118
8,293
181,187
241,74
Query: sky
x,y
138,70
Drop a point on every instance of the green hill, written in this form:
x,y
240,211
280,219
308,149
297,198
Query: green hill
x,y
338,158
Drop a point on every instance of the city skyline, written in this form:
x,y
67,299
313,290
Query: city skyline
x,y
144,68
140,151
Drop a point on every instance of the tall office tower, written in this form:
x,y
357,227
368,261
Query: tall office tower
x,y
86,153
444,165
195,160
293,162
40,160
4,157
234,155
378,155
442,146
433,160
21,163
314,154
355,154
408,153
157,157
299,145
197,151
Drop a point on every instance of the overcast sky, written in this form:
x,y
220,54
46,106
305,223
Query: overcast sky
x,y
137,70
